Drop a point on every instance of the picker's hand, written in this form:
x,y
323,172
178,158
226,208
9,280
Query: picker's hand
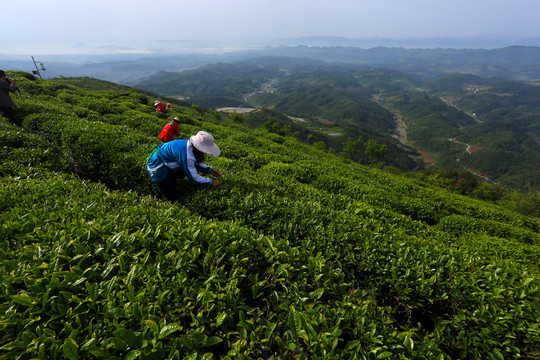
x,y
216,183
216,173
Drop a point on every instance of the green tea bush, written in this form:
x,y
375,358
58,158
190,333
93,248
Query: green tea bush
x,y
459,224
298,254
23,147
101,106
11,136
418,210
67,97
233,151
104,153
26,107
283,170
49,125
142,123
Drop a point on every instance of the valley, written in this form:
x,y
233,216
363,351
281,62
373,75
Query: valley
x,y
500,119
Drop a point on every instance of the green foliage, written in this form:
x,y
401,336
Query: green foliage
x,y
298,254
374,150
92,84
353,149
465,183
503,138
276,128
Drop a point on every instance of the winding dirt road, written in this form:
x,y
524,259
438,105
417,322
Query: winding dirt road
x,y
470,149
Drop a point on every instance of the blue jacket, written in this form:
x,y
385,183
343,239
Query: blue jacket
x,y
177,156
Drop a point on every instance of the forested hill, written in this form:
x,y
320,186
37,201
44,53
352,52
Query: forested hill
x,y
498,119
511,63
298,254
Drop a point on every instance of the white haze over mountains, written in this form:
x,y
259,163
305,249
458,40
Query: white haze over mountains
x,y
150,26
216,47
70,36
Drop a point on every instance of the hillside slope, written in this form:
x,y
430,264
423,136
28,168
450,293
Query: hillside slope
x,y
330,100
498,119
299,254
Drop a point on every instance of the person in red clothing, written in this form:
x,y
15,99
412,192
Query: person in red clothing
x,y
159,106
170,131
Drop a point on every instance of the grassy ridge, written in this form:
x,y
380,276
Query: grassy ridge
x,y
298,255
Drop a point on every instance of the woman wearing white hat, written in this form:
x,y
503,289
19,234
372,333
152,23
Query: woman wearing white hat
x,y
178,158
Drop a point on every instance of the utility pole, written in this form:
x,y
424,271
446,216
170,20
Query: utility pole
x,y
36,72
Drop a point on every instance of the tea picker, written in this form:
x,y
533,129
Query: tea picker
x,y
182,158
170,131
6,86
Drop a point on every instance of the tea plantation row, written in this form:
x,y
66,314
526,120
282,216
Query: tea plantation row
x,y
299,254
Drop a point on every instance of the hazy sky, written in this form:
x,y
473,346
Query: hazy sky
x,y
42,26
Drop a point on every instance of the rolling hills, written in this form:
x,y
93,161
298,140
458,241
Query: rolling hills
x,y
299,254
498,118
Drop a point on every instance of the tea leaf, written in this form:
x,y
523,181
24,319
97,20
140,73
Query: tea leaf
x,y
70,349
24,299
408,343
269,330
212,341
151,325
498,354
128,337
295,322
220,319
132,355
316,294
168,329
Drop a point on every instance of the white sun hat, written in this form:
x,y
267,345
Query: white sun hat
x,y
204,142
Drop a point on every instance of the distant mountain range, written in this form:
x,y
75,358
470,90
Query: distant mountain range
x,y
512,62
411,43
